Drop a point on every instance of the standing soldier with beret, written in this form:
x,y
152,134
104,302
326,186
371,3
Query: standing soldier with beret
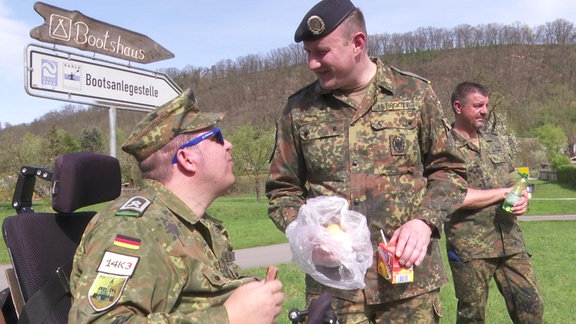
x,y
377,137
157,256
482,240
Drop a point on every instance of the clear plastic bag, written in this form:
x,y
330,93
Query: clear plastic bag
x,y
338,259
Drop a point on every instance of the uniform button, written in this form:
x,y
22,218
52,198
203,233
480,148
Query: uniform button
x,y
217,278
354,163
356,201
334,128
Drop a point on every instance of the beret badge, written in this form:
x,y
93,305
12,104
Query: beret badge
x,y
316,25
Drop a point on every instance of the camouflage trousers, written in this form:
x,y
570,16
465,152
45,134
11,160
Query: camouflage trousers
x,y
422,309
514,278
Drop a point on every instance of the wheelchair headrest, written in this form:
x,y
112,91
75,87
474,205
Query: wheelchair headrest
x,y
84,179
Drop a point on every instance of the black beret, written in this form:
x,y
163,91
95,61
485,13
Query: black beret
x,y
322,19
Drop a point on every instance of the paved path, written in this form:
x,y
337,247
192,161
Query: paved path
x,y
549,217
264,255
280,253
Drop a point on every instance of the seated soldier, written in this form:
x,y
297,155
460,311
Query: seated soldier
x,y
157,256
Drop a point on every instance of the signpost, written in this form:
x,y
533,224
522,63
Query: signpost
x,y
60,75
72,28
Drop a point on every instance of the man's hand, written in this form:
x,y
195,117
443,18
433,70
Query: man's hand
x,y
255,302
412,241
521,206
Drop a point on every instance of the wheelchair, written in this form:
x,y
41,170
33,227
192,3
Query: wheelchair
x,y
41,245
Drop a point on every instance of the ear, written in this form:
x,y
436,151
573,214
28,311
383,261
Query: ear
x,y
359,42
457,106
187,160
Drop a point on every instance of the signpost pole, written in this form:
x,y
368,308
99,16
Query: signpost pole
x,y
112,122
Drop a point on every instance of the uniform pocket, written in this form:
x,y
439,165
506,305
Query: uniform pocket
x,y
215,278
324,150
395,146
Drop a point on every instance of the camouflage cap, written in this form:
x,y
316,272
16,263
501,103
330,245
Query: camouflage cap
x,y
322,19
178,116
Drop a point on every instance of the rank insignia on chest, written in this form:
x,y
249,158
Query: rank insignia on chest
x,y
397,145
134,207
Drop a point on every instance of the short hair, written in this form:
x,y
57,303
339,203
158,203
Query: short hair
x,y
158,166
354,23
464,89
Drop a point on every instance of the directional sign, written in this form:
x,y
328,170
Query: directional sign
x,y
72,28
60,75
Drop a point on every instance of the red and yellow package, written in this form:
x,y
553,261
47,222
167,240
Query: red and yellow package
x,y
390,268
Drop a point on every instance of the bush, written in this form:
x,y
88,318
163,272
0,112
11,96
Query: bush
x,y
566,174
560,160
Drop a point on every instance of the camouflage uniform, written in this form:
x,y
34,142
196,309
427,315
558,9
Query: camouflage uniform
x,y
488,242
184,269
389,156
149,258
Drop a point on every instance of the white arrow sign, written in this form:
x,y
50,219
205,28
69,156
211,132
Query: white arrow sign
x,y
59,75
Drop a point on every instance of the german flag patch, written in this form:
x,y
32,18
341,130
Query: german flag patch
x,y
127,242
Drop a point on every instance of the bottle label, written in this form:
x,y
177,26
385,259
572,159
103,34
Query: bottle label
x,y
512,198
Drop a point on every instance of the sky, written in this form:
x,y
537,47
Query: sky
x,y
201,33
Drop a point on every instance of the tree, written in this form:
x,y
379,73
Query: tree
x,y
58,142
553,138
252,149
30,151
92,141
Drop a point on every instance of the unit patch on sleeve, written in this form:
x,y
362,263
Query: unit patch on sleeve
x,y
113,273
118,264
105,291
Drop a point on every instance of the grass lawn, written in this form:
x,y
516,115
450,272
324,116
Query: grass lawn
x,y
551,256
551,198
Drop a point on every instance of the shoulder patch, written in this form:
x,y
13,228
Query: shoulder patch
x,y
410,74
118,264
105,291
113,273
134,207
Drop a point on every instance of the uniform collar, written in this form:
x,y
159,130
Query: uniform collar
x,y
462,141
384,79
384,76
172,202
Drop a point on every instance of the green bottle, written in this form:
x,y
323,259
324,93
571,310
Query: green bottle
x,y
516,193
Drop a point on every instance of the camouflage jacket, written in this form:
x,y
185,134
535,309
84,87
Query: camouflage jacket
x,y
389,156
148,258
488,232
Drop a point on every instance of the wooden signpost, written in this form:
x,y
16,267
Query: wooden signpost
x,y
72,28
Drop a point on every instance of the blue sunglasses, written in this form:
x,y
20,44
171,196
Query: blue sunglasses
x,y
214,132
